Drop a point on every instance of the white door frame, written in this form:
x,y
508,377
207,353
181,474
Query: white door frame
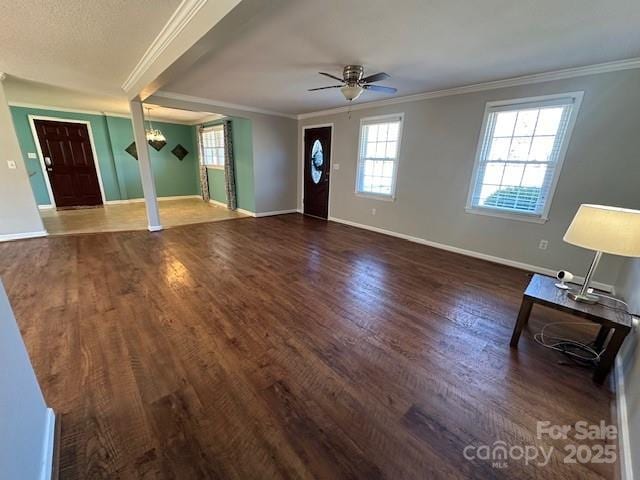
x,y
307,127
34,132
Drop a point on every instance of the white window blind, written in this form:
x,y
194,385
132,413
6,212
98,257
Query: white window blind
x,y
212,146
520,154
378,156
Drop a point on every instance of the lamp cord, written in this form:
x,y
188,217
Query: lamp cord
x,y
569,347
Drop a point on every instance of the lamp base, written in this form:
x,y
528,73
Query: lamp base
x,y
576,296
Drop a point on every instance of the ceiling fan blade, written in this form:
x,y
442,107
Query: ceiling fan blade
x,y
331,76
324,88
380,88
375,78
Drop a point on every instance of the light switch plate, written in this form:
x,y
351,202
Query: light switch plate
x,y
336,166
32,155
12,164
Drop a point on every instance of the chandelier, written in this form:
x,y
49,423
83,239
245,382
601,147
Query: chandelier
x,y
153,134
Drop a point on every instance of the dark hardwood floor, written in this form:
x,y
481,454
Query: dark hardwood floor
x,y
287,347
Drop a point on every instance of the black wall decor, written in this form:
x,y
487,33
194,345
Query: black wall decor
x,y
132,150
180,152
158,145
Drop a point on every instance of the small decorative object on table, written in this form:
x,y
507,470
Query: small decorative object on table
x,y
563,276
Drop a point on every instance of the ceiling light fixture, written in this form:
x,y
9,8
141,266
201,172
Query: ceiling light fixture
x,y
154,135
351,92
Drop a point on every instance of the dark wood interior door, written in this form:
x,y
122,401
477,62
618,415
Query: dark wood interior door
x,y
69,162
317,166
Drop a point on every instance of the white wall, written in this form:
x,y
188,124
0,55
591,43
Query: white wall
x,y
26,424
19,215
439,144
628,287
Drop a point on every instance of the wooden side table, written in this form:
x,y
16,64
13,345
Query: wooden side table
x,y
541,290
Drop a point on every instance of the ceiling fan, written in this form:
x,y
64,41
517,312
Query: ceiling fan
x,y
354,82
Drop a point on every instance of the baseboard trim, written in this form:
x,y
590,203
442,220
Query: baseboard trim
x,y
160,199
275,212
219,204
49,447
155,228
622,416
46,206
246,212
469,253
55,462
21,236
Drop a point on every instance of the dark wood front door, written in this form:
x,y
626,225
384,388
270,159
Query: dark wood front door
x,y
69,162
317,166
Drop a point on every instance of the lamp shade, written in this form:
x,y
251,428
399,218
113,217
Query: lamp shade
x,y
606,229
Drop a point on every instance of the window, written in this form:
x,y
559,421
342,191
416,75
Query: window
x,y
212,146
378,157
520,153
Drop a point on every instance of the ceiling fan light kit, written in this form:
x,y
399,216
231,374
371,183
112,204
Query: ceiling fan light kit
x,y
354,82
351,93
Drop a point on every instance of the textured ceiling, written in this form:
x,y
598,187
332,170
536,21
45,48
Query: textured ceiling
x,y
424,45
90,45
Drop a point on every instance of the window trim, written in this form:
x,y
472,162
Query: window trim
x,y
522,102
394,179
201,149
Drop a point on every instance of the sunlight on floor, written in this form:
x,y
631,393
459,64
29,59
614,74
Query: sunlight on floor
x,y
132,216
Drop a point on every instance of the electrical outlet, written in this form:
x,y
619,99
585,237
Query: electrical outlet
x,y
336,166
543,244
373,211
31,155
12,164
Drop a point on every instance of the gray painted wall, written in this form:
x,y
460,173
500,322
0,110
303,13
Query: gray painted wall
x,y
18,209
439,143
274,163
23,412
628,287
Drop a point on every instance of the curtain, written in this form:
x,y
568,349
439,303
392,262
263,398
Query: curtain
x,y
229,168
204,177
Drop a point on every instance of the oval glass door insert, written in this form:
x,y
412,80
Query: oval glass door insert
x,y
317,160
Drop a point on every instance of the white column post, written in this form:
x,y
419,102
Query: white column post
x,y
144,163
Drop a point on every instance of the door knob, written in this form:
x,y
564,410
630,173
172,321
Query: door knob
x,y
47,161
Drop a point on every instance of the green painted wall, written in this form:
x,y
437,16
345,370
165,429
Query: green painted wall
x,y
119,171
101,141
243,153
172,176
217,189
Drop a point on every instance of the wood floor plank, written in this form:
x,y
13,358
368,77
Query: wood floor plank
x,y
287,347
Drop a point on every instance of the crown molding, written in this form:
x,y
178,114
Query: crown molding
x,y
178,21
101,113
627,64
214,103
60,109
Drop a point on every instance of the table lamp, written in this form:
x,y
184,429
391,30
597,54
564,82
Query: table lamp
x,y
606,230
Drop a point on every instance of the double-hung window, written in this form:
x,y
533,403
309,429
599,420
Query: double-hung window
x,y
212,146
379,150
520,152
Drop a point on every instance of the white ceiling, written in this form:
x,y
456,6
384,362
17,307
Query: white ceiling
x,y
425,45
89,45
